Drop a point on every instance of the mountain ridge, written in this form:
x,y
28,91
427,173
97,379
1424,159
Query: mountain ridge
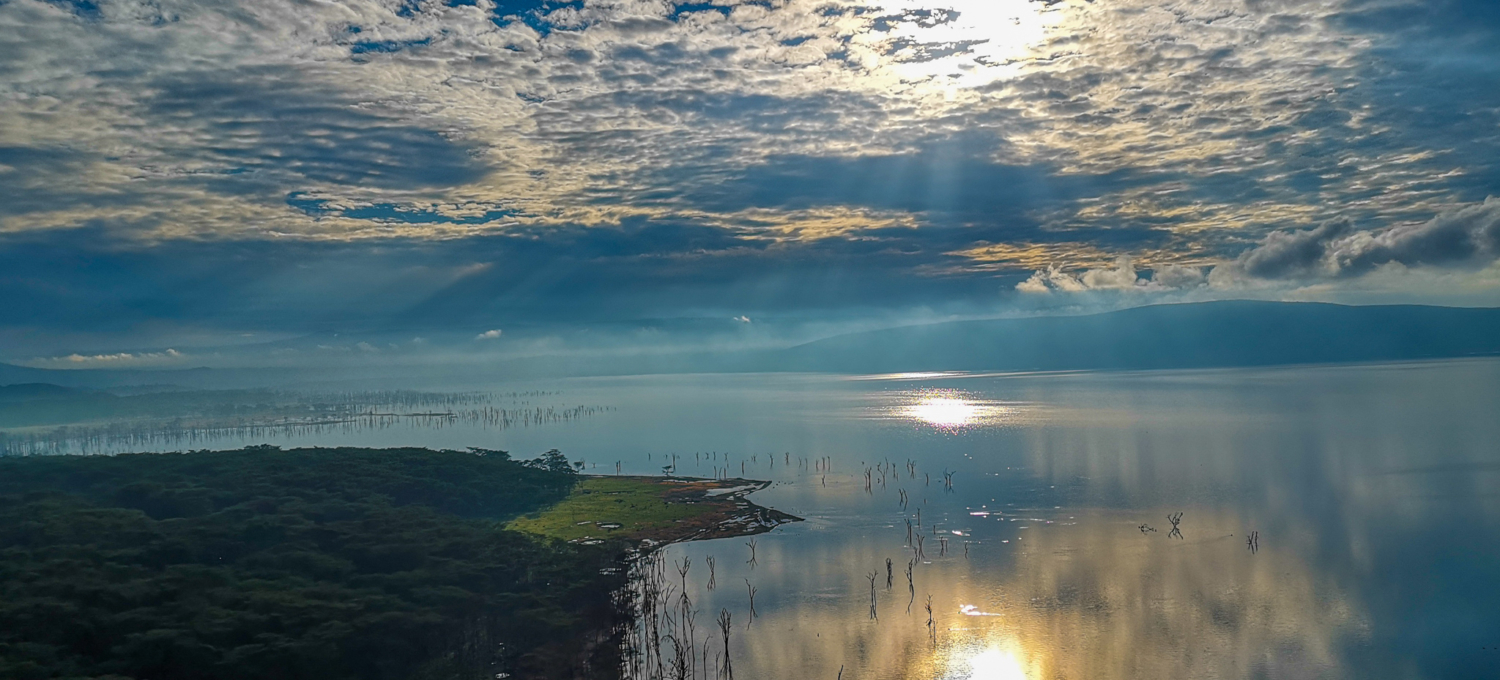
x,y
1187,335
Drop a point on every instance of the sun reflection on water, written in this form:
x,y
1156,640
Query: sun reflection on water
x,y
996,663
945,412
950,410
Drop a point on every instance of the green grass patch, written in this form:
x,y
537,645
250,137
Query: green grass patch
x,y
638,504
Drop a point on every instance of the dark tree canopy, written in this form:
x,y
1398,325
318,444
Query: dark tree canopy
x,y
316,564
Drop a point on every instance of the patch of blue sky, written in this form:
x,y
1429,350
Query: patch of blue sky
x,y
390,212
85,9
690,7
386,46
533,13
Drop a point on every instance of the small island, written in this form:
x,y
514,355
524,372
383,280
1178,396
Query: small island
x,y
343,563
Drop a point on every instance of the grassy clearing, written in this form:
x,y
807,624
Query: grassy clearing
x,y
641,506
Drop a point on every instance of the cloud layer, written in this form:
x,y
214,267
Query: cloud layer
x,y
710,153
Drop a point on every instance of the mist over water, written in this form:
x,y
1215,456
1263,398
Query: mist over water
x,y
1370,489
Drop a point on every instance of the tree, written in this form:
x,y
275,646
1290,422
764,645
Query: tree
x,y
552,461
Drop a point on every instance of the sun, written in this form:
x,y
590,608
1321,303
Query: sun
x,y
967,43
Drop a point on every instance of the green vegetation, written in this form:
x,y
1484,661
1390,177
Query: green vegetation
x,y
656,508
634,503
317,564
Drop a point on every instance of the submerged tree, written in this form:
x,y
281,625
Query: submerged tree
x,y
727,669
752,590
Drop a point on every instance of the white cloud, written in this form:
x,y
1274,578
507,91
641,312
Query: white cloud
x,y
144,359
489,334
1122,277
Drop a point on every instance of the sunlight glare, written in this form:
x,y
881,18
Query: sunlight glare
x,y
995,664
993,33
945,411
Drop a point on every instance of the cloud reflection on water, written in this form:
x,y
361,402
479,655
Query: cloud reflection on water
x,y
1092,600
1354,562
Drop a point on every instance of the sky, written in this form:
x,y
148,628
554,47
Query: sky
x,y
177,177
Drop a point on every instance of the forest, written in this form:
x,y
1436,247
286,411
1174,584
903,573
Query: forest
x,y
315,564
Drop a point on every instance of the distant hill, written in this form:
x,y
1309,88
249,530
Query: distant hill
x,y
37,392
100,378
1198,335
1194,335
11,374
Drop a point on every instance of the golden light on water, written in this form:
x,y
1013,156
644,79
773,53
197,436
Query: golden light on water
x,y
995,663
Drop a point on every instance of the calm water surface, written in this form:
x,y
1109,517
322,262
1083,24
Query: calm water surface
x,y
1375,492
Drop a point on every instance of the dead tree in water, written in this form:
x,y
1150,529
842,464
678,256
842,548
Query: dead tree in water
x,y
921,554
689,628
888,575
710,561
752,543
942,546
752,591
726,670
1175,519
681,659
684,658
911,585
908,532
872,576
931,629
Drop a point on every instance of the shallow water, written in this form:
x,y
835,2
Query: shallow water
x,y
1375,492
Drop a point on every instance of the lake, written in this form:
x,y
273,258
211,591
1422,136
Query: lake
x,y
1297,522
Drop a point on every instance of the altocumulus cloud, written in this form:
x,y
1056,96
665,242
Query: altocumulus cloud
x,y
364,163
